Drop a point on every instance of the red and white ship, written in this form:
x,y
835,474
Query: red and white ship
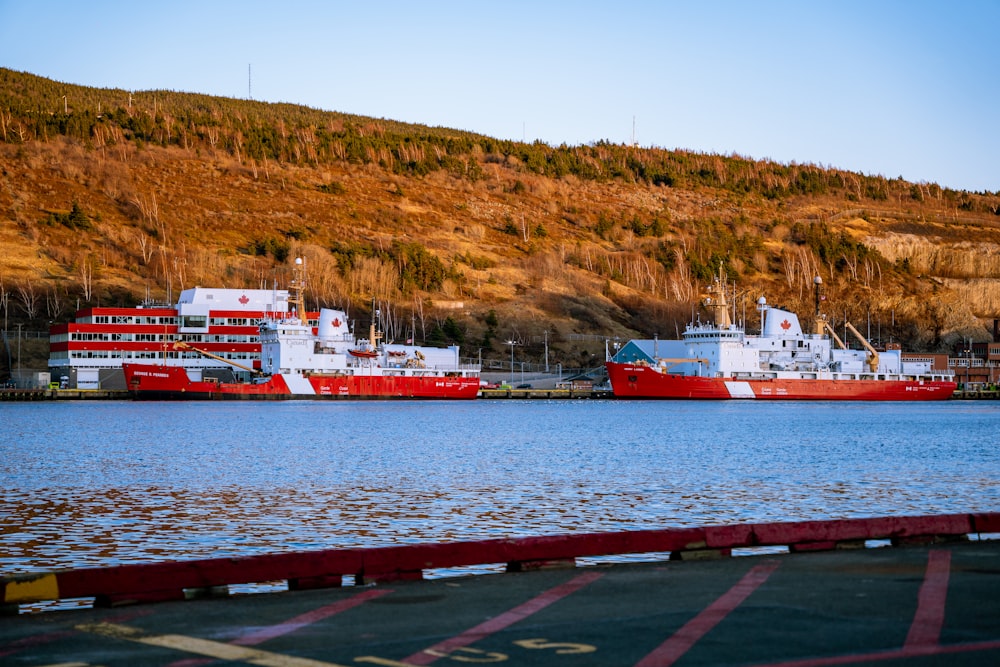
x,y
719,360
298,362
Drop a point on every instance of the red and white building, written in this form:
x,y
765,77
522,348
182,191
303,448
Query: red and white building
x,y
88,353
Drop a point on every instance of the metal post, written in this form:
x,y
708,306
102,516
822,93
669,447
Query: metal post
x,y
546,350
967,364
19,325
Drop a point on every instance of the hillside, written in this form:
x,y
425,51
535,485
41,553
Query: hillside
x,y
112,197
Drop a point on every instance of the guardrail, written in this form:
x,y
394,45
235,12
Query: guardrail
x,y
180,580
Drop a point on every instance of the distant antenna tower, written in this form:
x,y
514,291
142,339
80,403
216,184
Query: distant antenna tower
x,y
249,90
633,131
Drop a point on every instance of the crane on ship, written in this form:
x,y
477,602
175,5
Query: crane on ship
x,y
181,346
872,360
822,326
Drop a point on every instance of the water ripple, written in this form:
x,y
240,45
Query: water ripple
x,y
111,483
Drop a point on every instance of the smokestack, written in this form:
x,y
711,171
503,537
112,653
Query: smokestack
x,y
996,330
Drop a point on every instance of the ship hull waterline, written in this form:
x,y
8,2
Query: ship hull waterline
x,y
643,382
149,382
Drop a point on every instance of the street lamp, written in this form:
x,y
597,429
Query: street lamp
x,y
512,343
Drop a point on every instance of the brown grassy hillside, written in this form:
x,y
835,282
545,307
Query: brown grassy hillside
x,y
109,197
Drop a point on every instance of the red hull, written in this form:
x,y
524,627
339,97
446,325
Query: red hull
x,y
636,381
172,382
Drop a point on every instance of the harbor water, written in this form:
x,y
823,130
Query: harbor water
x,y
100,483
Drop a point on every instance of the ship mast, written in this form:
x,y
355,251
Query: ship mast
x,y
298,288
374,335
820,321
715,300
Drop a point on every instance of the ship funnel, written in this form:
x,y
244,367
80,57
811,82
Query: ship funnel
x,y
781,324
333,326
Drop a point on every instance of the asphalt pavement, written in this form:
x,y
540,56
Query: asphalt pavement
x,y
912,605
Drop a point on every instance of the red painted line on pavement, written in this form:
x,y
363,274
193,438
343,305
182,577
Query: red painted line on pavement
x,y
669,651
307,618
925,631
926,627
291,625
498,623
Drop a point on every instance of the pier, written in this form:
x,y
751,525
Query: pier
x,y
62,394
7,395
580,394
906,590
976,394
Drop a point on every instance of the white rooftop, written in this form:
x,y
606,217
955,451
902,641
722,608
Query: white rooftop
x,y
220,298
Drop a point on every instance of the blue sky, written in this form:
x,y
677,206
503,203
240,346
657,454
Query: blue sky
x,y
899,87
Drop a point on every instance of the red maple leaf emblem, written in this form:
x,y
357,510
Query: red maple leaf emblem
x,y
244,299
786,325
336,321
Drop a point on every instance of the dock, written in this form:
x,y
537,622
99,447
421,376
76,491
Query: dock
x,y
976,394
63,394
7,395
575,394
804,593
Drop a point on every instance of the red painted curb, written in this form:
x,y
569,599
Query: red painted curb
x,y
165,581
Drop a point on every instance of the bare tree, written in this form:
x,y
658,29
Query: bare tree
x,y
237,145
145,245
213,136
4,303
100,138
150,211
29,298
53,303
808,267
790,266
87,278
869,271
681,283
180,269
852,264
418,311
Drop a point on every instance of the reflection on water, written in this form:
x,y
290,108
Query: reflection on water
x,y
110,483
